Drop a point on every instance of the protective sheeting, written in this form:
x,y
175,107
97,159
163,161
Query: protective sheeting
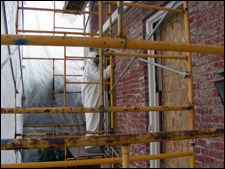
x,y
11,81
38,74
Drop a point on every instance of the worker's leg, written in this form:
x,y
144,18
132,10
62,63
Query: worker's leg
x,y
92,123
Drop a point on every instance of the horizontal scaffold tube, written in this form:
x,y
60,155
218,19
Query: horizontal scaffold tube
x,y
61,32
149,7
144,55
96,161
78,141
61,133
108,43
61,11
91,109
52,125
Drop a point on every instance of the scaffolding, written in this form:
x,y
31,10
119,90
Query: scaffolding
x,y
101,42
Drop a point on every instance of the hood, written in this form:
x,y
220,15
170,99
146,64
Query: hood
x,y
93,55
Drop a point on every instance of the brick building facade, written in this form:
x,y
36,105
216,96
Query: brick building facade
x,y
206,27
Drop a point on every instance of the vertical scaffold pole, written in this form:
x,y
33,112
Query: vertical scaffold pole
x,y
100,54
112,115
121,32
17,17
53,82
54,19
65,148
111,71
190,80
64,75
111,94
125,156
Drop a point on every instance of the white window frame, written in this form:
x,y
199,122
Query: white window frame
x,y
154,147
154,119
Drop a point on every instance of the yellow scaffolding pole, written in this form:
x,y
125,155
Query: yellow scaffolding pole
x,y
95,161
17,17
120,20
34,58
101,91
53,81
190,80
60,133
145,55
107,83
80,57
51,125
64,89
92,109
149,7
112,115
64,77
54,19
61,32
123,140
125,156
108,43
61,11
80,141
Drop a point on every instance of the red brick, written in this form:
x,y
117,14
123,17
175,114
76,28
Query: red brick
x,y
219,145
198,164
216,154
201,143
207,161
206,27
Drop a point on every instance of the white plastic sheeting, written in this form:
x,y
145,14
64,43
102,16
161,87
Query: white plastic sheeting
x,y
38,74
10,99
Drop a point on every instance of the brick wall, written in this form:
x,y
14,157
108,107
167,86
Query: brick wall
x,y
207,27
206,20
132,90
94,18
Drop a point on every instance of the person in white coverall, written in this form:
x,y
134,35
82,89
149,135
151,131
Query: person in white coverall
x,y
91,96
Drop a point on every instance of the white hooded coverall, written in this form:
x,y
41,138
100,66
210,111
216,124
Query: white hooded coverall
x,y
90,92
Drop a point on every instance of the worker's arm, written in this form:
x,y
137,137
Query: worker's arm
x,y
94,73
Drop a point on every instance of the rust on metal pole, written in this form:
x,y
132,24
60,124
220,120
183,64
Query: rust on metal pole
x,y
9,144
190,80
91,109
61,133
